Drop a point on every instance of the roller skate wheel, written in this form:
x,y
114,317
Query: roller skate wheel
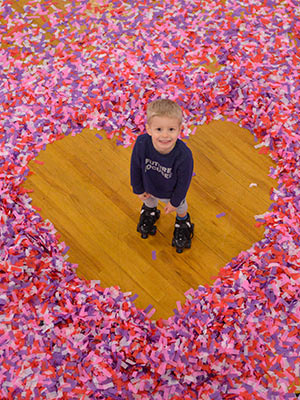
x,y
153,230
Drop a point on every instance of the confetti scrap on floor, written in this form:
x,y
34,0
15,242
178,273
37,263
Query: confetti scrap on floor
x,y
222,214
87,66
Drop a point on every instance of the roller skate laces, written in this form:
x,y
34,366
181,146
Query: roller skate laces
x,y
147,220
183,233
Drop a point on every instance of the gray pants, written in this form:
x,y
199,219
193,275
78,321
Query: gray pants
x,y
153,202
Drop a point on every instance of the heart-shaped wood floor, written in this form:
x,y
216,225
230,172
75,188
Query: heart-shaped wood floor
x,y
82,185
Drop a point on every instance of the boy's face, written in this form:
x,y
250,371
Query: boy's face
x,y
164,132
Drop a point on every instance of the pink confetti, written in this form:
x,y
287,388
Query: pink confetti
x,y
39,162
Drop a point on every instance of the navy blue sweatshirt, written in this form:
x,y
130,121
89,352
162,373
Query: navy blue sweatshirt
x,y
166,176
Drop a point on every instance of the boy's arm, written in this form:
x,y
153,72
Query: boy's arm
x,y
169,208
184,177
136,177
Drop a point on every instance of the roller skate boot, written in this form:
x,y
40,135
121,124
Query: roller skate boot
x,y
183,233
147,220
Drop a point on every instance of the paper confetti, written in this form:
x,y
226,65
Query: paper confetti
x,y
222,214
93,66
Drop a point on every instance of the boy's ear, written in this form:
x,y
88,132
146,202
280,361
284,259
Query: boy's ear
x,y
148,129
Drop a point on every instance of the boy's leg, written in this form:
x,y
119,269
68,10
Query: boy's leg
x,y
151,202
181,210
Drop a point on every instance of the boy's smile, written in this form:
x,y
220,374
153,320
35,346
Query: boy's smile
x,y
164,132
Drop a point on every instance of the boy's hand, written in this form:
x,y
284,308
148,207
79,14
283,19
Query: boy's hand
x,y
144,196
169,208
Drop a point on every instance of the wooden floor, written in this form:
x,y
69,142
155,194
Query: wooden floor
x,y
83,187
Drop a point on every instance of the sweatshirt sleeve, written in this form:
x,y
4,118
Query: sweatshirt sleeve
x,y
184,177
136,176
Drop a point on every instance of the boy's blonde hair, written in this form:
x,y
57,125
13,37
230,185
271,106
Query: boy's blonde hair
x,y
164,108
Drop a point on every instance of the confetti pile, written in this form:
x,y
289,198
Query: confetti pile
x,y
87,65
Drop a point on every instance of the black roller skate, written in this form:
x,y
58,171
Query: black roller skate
x,y
183,233
147,220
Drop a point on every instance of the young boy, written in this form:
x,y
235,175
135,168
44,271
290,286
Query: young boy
x,y
161,169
